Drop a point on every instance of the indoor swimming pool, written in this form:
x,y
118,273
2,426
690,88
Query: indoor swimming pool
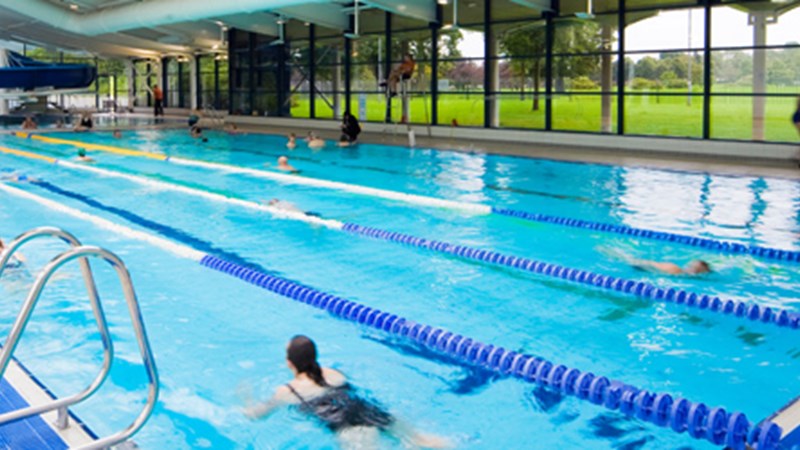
x,y
220,340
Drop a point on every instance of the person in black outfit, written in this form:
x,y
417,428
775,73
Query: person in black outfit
x,y
350,129
325,394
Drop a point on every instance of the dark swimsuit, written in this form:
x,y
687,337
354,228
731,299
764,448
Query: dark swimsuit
x,y
341,408
796,117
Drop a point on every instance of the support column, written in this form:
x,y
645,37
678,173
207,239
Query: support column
x,y
3,63
758,19
493,67
194,74
161,76
621,67
606,79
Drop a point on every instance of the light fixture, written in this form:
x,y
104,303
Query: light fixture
x,y
73,6
441,2
588,14
307,23
215,46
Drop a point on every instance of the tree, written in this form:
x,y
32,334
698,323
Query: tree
x,y
526,47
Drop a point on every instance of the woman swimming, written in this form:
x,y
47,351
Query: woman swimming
x,y
326,394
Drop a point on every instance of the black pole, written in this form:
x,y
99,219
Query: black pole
x,y
198,95
216,83
388,62
348,50
164,84
96,86
621,68
251,73
706,73
488,75
434,118
284,109
231,73
548,71
312,70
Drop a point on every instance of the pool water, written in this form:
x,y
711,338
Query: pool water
x,y
219,341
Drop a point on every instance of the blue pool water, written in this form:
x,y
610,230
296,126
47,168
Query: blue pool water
x,y
216,338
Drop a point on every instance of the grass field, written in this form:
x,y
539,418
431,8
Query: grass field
x,y
659,115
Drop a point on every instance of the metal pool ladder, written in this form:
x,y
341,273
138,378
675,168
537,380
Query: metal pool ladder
x,y
81,253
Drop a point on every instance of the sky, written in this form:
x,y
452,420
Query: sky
x,y
670,30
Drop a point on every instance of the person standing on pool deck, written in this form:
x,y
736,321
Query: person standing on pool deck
x,y
158,101
325,393
796,116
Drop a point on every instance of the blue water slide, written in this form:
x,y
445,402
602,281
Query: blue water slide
x,y
28,74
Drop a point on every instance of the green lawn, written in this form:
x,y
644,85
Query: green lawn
x,y
731,117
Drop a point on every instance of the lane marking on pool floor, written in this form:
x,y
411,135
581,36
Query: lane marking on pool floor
x,y
641,289
730,247
715,425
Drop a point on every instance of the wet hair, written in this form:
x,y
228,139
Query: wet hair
x,y
704,265
302,353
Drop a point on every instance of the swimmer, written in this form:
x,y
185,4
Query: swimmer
x,y
85,124
196,132
82,156
59,123
283,164
325,393
292,142
344,142
695,267
18,178
314,141
290,207
17,260
29,123
232,129
117,134
284,205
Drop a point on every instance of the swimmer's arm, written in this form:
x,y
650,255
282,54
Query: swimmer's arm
x,y
20,258
261,410
667,268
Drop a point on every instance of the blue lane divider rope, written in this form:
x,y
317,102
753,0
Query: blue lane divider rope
x,y
715,424
710,244
779,317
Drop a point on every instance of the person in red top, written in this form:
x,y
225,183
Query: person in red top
x,y
158,96
403,70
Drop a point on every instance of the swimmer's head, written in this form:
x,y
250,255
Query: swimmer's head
x,y
2,244
282,160
301,357
274,201
81,152
292,136
697,267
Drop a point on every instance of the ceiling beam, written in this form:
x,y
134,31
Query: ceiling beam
x,y
262,24
424,10
142,14
328,15
538,5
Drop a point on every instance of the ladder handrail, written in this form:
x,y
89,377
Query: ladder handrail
x,y
91,289
6,352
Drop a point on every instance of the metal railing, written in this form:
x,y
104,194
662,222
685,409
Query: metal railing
x,y
81,253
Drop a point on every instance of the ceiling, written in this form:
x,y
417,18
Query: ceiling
x,y
158,28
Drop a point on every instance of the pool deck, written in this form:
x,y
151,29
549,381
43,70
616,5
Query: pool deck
x,y
780,162
20,389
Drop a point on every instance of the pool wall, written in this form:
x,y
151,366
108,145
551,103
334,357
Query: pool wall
x,y
761,151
